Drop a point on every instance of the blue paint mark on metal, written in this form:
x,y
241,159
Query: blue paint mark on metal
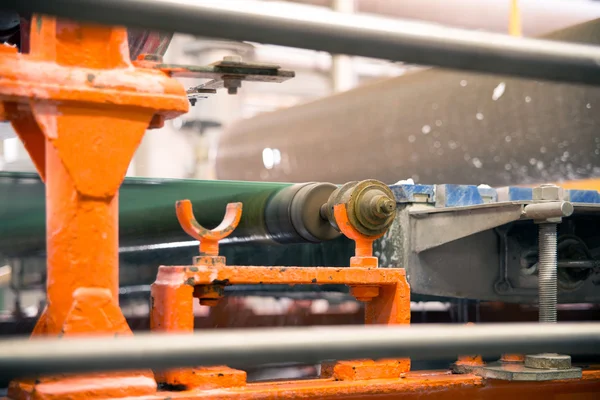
x,y
488,194
584,196
512,193
457,195
406,193
450,195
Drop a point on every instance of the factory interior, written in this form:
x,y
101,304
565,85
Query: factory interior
x,y
302,199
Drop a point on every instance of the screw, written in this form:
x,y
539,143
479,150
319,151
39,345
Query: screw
x,y
547,272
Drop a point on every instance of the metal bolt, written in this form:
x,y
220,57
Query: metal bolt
x,y
548,192
386,206
232,84
547,273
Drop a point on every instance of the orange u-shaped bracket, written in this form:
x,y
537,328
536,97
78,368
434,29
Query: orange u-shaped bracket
x,y
363,254
209,238
364,243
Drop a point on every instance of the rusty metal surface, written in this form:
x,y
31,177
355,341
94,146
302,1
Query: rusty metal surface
x,y
434,126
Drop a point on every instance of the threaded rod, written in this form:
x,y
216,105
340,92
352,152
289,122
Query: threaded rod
x,y
547,278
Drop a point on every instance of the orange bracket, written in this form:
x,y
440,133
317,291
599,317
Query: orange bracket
x,y
209,239
172,298
386,292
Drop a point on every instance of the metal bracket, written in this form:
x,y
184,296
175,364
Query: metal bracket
x,y
228,73
519,372
435,227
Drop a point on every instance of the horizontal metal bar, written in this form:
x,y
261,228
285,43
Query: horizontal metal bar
x,y
359,35
548,210
578,263
238,348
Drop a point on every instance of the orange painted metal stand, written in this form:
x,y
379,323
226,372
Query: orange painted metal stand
x,y
431,385
385,291
81,108
387,295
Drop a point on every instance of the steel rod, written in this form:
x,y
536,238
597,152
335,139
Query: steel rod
x,y
238,348
359,35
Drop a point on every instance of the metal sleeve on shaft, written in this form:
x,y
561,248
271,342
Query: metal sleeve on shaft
x,y
548,289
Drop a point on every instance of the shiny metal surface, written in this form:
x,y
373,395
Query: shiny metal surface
x,y
359,35
492,15
435,126
20,357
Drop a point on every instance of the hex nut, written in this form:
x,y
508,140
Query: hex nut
x,y
548,192
548,361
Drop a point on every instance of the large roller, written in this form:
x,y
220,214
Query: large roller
x,y
436,126
273,212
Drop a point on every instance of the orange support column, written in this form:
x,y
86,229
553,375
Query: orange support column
x,y
173,294
385,305
81,108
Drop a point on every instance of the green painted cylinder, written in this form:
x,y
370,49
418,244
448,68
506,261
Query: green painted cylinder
x,y
272,212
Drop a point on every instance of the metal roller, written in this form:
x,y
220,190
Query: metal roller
x,y
370,204
273,212
293,214
436,126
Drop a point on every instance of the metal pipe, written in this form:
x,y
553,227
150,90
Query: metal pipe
x,y
28,357
551,209
359,35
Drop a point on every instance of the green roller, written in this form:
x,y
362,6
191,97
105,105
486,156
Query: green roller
x,y
272,213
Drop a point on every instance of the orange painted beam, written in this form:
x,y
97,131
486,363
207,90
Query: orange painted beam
x,y
244,275
413,385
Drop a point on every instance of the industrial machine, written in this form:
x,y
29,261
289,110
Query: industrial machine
x,y
81,105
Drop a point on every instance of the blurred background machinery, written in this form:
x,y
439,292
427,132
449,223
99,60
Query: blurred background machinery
x,y
440,125
471,253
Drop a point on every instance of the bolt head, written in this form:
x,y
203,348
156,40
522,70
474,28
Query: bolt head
x,y
548,361
548,192
364,293
209,302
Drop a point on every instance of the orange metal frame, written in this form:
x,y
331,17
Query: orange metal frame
x,y
81,107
